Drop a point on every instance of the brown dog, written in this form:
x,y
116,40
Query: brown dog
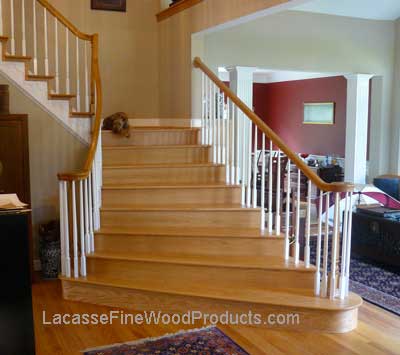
x,y
118,123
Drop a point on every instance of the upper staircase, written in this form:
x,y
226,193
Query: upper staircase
x,y
50,61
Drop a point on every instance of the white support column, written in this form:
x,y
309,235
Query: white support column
x,y
357,128
241,83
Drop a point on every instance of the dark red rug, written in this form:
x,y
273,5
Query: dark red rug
x,y
207,341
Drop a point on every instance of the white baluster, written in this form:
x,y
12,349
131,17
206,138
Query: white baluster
x,y
270,177
255,167
82,229
1,19
56,58
75,231
78,80
214,119
87,222
249,164
335,241
202,108
67,79
348,244
308,227
46,44
263,183
278,196
94,197
62,227
317,283
12,39
210,119
287,216
87,94
67,256
243,158
223,133
324,284
228,126
35,61
232,141
91,224
23,27
297,234
342,280
218,123
237,142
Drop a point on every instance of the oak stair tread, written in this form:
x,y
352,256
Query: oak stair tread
x,y
228,261
298,298
61,96
17,58
141,147
169,186
81,114
156,129
221,232
181,207
32,77
162,166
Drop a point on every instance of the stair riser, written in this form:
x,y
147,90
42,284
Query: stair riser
x,y
189,245
112,157
153,137
190,219
162,176
209,276
315,320
164,197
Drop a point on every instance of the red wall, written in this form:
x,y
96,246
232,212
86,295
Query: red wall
x,y
280,105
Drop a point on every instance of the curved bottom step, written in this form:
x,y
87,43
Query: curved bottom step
x,y
280,308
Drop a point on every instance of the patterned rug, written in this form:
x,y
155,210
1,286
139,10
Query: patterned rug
x,y
374,282
206,341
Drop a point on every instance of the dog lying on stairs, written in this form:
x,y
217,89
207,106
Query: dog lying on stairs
x,y
118,123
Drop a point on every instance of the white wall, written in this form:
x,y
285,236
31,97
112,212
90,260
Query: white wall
x,y
52,149
395,157
319,43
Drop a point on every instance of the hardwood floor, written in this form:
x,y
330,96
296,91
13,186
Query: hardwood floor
x,y
378,331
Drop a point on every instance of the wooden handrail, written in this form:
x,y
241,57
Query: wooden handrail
x,y
96,85
322,185
64,21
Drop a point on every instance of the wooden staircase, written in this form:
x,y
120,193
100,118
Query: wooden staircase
x,y
174,237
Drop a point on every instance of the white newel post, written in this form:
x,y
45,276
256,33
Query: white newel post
x,y
357,128
241,83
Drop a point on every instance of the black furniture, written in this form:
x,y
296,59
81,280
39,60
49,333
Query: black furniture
x,y
16,318
331,173
376,238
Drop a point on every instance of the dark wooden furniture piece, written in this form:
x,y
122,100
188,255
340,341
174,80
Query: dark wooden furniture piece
x,y
376,238
16,318
109,5
14,161
332,173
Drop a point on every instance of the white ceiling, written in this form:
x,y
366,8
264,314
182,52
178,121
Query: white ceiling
x,y
367,9
266,76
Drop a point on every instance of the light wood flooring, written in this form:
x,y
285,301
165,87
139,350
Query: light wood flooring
x,y
378,331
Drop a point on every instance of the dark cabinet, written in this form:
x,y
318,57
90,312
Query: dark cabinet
x,y
16,317
376,238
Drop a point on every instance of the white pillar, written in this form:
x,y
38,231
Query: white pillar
x,y
241,83
357,128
